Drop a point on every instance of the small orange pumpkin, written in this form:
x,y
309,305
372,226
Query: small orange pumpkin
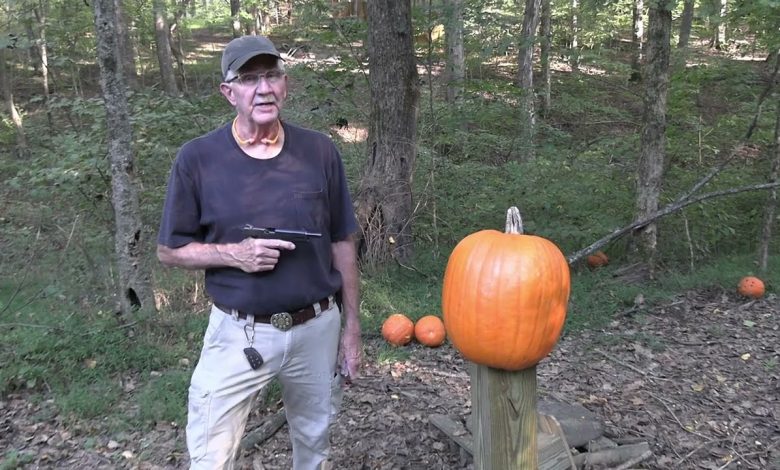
x,y
751,286
398,329
505,296
597,260
429,330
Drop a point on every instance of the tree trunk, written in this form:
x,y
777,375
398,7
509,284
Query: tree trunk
x,y
126,50
177,43
686,22
8,96
134,286
653,140
235,16
574,53
722,36
163,44
717,18
771,203
33,53
636,40
456,66
525,79
385,196
40,16
545,31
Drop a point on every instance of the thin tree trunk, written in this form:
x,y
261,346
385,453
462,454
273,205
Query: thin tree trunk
x,y
770,208
636,40
456,66
722,33
653,140
126,50
177,43
134,278
545,31
235,18
574,53
22,148
33,53
40,17
525,79
385,196
686,22
717,20
163,44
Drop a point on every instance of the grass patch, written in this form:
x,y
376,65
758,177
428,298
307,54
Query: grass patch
x,y
163,398
389,354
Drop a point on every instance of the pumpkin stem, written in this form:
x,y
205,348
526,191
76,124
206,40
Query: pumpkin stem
x,y
514,223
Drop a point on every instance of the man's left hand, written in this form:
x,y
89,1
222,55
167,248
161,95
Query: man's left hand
x,y
350,353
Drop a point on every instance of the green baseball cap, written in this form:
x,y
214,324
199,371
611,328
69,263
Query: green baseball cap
x,y
240,50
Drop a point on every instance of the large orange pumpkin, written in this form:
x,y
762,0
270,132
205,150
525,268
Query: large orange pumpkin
x,y
429,330
505,296
751,286
398,329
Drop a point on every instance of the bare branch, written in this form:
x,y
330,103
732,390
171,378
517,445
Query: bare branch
x,y
668,209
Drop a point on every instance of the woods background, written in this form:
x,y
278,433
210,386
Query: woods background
x,y
648,129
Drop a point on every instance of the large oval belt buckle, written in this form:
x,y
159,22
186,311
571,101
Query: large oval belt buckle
x,y
282,321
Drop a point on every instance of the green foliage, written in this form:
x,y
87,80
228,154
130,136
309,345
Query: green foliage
x,y
90,396
388,354
14,459
163,398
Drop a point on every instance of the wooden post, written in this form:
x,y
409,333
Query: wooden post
x,y
504,418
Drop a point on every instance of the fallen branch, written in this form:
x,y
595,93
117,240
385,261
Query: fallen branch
x,y
634,461
624,364
264,432
634,368
671,412
669,209
698,448
612,456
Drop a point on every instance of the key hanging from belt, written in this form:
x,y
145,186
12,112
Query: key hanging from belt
x,y
254,357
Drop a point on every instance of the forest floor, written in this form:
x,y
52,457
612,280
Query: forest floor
x,y
697,377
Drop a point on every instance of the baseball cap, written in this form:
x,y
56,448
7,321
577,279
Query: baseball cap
x,y
240,50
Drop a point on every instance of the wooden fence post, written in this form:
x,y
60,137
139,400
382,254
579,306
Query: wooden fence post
x,y
504,423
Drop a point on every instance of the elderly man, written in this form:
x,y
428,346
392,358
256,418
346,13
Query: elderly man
x,y
263,207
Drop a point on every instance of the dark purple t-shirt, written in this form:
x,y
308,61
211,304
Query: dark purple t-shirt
x,y
215,189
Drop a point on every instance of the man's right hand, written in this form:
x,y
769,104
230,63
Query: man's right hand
x,y
255,254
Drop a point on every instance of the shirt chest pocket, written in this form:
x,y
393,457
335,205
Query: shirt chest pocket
x,y
310,210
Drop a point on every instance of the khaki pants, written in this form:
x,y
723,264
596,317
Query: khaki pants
x,y
224,386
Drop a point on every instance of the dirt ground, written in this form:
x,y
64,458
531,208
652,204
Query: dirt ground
x,y
697,377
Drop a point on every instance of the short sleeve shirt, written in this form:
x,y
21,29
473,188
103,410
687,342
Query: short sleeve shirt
x,y
215,189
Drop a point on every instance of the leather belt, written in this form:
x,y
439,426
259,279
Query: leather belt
x,y
282,320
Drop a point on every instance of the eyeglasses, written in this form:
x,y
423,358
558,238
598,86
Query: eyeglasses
x,y
253,79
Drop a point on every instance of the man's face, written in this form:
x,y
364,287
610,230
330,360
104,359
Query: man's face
x,y
259,90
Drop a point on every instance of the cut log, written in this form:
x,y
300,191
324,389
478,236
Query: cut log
x,y
263,432
613,456
552,450
579,425
601,443
454,430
